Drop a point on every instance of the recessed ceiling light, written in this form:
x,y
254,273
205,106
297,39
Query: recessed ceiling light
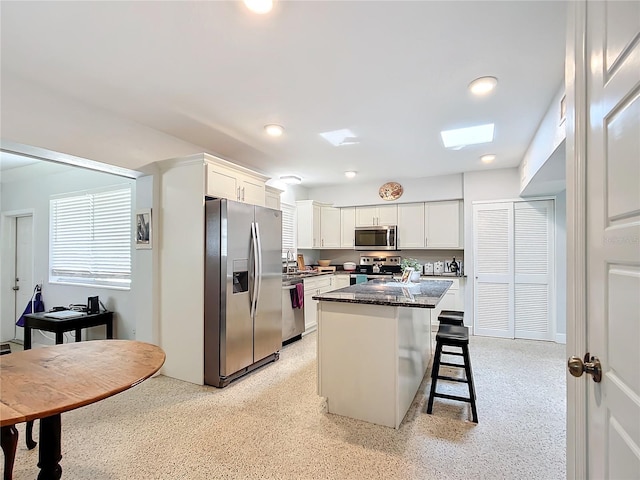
x,y
490,157
350,174
259,6
274,130
291,179
461,137
483,85
338,138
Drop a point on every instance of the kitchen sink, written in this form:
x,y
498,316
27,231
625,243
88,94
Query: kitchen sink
x,y
288,277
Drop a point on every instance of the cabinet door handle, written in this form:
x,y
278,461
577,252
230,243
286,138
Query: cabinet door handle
x,y
243,194
238,194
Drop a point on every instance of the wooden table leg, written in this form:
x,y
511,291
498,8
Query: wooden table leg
x,y
9,441
50,452
31,444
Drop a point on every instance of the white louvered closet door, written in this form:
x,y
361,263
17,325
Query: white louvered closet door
x,y
513,265
493,267
534,259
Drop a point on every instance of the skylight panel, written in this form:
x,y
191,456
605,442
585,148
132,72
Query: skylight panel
x,y
341,137
461,137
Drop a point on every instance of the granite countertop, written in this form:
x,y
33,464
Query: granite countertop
x,y
425,294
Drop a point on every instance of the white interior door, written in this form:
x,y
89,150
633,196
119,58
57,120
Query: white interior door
x,y
493,267
613,237
23,285
534,287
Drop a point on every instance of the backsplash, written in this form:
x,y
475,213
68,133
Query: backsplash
x,y
338,257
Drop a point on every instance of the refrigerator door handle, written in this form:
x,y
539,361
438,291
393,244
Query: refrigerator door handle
x,y
259,274
254,287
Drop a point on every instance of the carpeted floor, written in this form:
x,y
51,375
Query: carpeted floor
x,y
272,425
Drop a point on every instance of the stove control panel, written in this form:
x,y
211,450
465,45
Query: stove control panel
x,y
381,261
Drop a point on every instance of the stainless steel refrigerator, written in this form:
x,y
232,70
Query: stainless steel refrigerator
x,y
243,282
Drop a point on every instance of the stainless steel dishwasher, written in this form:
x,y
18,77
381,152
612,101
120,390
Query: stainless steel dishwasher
x,y
292,318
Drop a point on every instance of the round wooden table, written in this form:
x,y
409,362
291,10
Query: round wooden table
x,y
44,382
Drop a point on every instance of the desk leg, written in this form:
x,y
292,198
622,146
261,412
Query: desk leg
x,y
110,329
78,334
9,441
59,338
50,452
27,338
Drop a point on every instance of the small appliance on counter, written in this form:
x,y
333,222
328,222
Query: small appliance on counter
x,y
438,268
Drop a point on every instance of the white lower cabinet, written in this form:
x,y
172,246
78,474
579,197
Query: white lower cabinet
x,y
340,281
315,286
452,300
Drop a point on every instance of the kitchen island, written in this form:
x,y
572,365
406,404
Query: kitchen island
x,y
374,347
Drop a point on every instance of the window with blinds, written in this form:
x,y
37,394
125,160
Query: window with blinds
x,y
288,229
90,238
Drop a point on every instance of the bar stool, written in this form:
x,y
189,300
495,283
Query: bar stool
x,y
5,348
453,336
451,317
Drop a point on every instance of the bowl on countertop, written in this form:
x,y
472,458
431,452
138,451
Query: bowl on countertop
x,y
324,263
349,266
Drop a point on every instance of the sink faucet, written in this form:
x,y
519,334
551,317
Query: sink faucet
x,y
290,257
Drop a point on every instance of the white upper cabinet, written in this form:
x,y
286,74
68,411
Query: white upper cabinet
x,y
347,226
225,180
443,224
318,225
376,215
411,225
272,197
329,227
308,214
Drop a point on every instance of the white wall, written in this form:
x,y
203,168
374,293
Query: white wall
x,y
549,135
501,184
504,184
426,189
30,189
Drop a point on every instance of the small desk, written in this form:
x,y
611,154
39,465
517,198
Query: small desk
x,y
60,325
44,382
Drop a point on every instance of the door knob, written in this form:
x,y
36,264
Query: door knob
x,y
590,365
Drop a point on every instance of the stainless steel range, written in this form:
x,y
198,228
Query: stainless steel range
x,y
376,267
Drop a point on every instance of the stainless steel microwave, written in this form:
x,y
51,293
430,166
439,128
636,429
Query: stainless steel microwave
x,y
376,238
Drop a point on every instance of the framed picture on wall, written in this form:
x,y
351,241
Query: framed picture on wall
x,y
143,228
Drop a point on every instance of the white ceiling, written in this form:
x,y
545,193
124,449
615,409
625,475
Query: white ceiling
x,y
394,72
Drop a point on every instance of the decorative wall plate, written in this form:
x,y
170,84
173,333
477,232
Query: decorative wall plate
x,y
390,191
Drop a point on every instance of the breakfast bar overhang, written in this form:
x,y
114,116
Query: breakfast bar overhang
x,y
374,347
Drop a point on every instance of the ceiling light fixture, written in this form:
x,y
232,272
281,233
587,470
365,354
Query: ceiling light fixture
x,y
488,158
483,85
259,6
274,130
350,173
291,179
461,137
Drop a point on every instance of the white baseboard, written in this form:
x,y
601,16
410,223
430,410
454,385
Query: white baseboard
x,y
561,338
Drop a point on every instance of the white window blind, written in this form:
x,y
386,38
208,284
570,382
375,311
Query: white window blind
x,y
288,228
90,238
